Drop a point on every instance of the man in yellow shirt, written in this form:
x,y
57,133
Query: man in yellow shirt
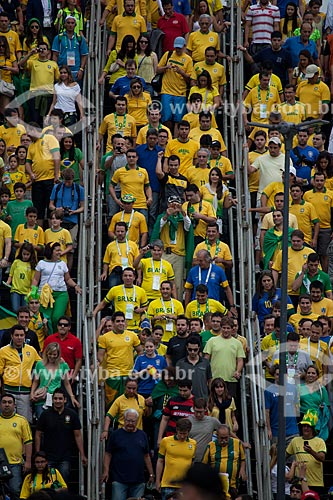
x,y
119,122
119,254
117,348
11,131
137,229
205,128
154,121
202,304
315,93
200,40
260,100
128,298
304,311
292,111
321,305
200,212
165,310
274,81
215,69
316,348
43,166
219,251
176,70
306,214
127,23
185,148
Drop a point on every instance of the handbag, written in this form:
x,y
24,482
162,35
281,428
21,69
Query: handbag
x,y
156,82
40,394
7,89
113,68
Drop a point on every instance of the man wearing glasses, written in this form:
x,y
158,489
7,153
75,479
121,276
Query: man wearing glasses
x,y
195,367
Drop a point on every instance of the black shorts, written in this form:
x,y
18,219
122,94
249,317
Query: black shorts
x,y
40,195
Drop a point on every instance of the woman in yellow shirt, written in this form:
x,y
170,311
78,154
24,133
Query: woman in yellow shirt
x,y
305,59
115,65
289,23
221,405
42,476
216,193
210,96
138,102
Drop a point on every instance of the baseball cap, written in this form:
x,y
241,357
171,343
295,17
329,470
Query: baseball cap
x,y
275,140
70,17
179,42
174,199
311,495
216,144
311,70
292,170
128,198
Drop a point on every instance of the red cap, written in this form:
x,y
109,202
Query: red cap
x,y
311,495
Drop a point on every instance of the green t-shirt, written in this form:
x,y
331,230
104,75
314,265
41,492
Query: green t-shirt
x,y
45,375
223,356
307,280
16,209
312,401
205,336
74,164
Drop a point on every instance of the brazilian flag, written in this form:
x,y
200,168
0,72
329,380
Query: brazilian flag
x,y
7,319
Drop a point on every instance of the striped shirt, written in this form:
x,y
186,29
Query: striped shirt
x,y
262,21
225,459
176,408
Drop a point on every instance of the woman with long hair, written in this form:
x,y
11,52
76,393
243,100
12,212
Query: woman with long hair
x,y
290,22
67,94
41,476
115,65
210,95
147,61
313,395
216,193
221,405
324,166
48,376
8,68
71,157
138,102
21,274
299,71
52,277
201,8
147,368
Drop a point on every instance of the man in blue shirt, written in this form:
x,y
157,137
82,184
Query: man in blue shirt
x,y
147,158
297,43
303,157
210,275
70,49
122,85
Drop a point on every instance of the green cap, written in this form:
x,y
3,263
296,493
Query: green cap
x,y
310,418
128,198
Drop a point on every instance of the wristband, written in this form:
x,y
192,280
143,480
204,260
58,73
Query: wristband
x,y
81,69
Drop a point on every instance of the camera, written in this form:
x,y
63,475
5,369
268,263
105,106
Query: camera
x,y
118,149
67,211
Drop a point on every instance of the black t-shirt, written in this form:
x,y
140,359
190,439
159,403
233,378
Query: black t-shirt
x,y
172,185
58,430
177,349
30,339
280,59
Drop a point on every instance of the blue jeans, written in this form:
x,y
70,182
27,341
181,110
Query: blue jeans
x,y
17,300
15,482
166,491
115,278
153,211
122,491
63,466
144,212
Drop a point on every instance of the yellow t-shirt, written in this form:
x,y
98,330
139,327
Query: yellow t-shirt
x,y
123,403
260,103
198,176
63,236
323,201
178,457
271,190
206,209
292,113
40,156
153,273
30,486
269,345
141,139
296,259
193,119
138,107
318,352
207,96
198,42
254,177
314,468
274,82
5,233
13,178
173,83
117,124
128,251
33,235
215,134
15,431
178,244
126,300
6,75
140,6
306,216
43,75
223,163
216,71
132,181
12,135
222,251
157,308
324,306
127,25
21,274
314,95
119,352
137,227
186,151
196,310
294,319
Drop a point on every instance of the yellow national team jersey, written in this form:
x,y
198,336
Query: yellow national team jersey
x,y
137,107
120,254
9,180
136,224
178,457
221,251
215,134
254,177
153,273
159,307
198,43
33,235
5,232
204,208
142,134
313,95
323,201
193,119
40,155
260,103
314,468
173,83
15,431
198,176
117,124
296,259
132,181
12,135
13,42
225,459
119,352
43,75
196,310
294,319
62,236
318,352
123,403
21,274
216,71
223,163
324,306
292,113
186,151
127,25
274,82
16,371
126,300
306,216
271,190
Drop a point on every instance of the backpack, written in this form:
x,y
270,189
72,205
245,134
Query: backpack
x,y
59,186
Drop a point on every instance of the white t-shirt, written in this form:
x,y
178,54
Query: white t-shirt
x,y
52,273
66,97
269,169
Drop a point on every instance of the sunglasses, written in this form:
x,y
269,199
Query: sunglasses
x,y
136,87
143,41
190,349
35,27
33,302
63,324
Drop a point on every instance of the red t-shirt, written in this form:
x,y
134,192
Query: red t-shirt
x,y
173,27
70,347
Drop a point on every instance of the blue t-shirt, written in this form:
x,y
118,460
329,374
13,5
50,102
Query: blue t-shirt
x,y
127,455
295,45
68,196
308,153
122,85
271,404
146,382
214,282
147,159
182,7
66,47
263,305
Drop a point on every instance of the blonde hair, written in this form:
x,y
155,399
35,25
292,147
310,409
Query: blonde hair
x,y
53,346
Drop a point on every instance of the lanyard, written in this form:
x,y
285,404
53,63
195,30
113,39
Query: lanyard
x,y
259,95
309,348
208,274
129,222
295,360
164,307
127,248
158,128
125,294
209,246
119,126
152,266
199,312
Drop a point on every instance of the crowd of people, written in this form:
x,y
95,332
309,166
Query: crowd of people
x,y
169,346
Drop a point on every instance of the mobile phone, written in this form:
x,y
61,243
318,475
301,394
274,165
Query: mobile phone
x,y
306,443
